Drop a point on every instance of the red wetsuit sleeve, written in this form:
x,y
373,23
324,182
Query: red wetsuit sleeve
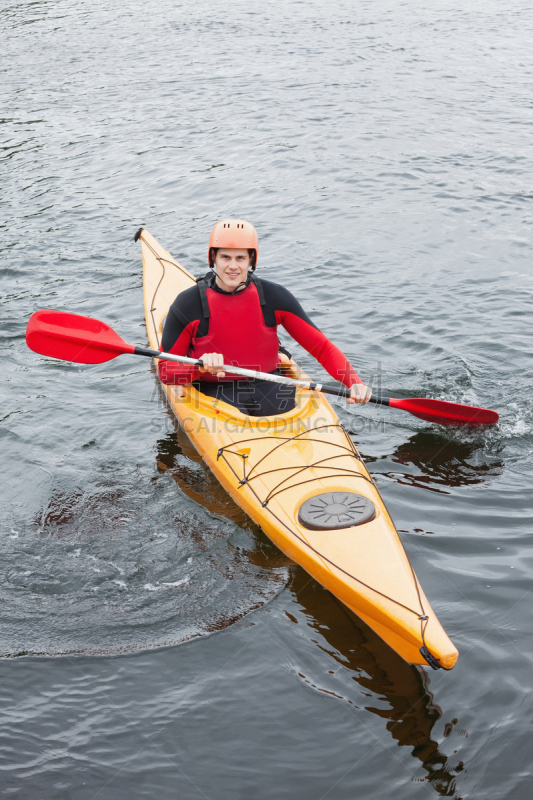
x,y
169,371
318,345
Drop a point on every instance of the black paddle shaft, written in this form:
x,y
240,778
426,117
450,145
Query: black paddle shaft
x,y
144,351
343,391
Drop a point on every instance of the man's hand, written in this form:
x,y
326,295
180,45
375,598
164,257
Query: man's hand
x,y
212,363
359,393
284,360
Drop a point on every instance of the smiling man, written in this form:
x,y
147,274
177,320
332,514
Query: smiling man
x,y
231,317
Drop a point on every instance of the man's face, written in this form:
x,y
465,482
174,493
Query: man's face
x,y
231,267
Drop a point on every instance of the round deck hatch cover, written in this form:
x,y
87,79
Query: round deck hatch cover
x,y
333,510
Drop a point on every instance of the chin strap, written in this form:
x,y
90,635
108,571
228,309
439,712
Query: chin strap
x,y
244,284
208,282
210,278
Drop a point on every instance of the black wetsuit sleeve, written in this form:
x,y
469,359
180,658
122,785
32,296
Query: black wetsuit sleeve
x,y
185,309
181,326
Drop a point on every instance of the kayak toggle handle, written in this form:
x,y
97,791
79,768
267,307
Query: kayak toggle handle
x,y
432,661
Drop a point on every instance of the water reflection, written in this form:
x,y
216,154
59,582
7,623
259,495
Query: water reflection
x,y
444,462
177,456
65,512
401,689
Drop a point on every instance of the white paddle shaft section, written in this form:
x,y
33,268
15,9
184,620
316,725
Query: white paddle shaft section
x,y
339,390
247,373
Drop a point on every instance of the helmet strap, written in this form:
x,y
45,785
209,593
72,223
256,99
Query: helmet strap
x,y
240,288
244,284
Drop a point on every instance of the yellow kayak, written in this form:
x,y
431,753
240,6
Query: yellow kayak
x,y
299,476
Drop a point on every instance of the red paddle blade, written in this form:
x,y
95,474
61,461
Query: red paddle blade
x,y
446,413
72,337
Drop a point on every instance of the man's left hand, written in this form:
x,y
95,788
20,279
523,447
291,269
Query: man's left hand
x,y
359,393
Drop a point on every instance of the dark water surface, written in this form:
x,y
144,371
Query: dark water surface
x,y
155,644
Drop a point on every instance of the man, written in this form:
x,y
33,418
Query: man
x,y
231,317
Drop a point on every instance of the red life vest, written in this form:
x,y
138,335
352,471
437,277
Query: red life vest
x,y
237,329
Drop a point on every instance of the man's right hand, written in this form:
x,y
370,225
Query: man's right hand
x,y
359,393
212,362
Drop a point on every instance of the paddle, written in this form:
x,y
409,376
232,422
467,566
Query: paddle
x,y
72,337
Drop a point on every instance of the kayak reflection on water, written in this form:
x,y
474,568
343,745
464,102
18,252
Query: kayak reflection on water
x,y
401,690
443,461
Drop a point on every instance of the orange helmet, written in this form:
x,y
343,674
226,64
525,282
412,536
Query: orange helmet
x,y
236,234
